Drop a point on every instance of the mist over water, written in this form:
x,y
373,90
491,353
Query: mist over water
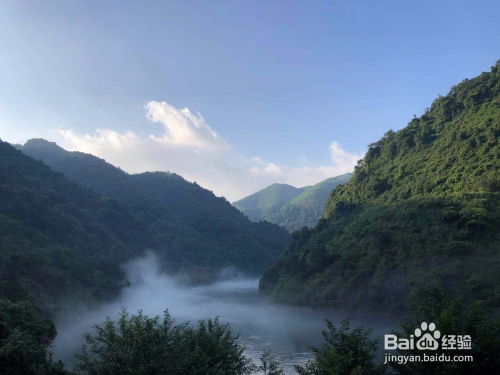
x,y
287,331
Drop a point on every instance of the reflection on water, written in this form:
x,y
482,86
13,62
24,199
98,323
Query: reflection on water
x,y
287,331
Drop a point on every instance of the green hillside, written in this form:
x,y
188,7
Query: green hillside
x,y
62,245
187,225
59,240
421,212
267,202
308,207
292,208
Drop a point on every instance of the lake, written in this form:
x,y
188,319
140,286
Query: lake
x,y
288,331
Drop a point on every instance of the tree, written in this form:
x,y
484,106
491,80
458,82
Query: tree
x,y
345,351
140,345
25,339
269,365
454,317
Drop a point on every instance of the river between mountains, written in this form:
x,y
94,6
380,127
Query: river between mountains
x,y
288,331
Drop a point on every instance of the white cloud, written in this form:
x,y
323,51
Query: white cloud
x,y
183,128
341,158
190,147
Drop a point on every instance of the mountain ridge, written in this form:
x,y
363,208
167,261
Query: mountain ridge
x,y
421,213
59,240
289,206
189,225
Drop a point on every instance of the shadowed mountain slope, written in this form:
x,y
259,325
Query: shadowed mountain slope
x,y
187,225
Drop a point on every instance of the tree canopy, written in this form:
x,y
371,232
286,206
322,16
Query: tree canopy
x,y
421,211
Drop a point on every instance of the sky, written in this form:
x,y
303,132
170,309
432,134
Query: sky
x,y
234,95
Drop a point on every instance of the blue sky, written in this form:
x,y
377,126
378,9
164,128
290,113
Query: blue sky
x,y
288,91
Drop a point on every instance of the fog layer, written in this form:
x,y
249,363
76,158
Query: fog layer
x,y
287,331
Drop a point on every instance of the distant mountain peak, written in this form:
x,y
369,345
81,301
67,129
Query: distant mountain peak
x,y
43,145
289,206
41,142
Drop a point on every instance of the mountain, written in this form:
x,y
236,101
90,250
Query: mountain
x,y
187,225
59,241
421,213
62,245
307,208
288,206
268,201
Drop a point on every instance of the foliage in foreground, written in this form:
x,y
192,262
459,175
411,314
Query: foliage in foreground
x,y
140,345
345,351
25,339
269,365
453,316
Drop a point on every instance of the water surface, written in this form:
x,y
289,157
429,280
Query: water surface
x,y
288,331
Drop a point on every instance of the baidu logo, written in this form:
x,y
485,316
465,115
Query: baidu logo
x,y
427,337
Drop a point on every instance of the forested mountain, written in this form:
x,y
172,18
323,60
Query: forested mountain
x,y
58,240
288,206
267,202
421,212
62,244
308,207
187,225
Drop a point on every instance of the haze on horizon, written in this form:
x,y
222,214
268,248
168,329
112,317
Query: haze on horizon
x,y
234,96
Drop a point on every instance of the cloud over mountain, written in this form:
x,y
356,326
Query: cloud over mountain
x,y
193,149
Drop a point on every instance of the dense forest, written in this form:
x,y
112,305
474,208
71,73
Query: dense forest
x,y
59,240
288,206
63,245
414,232
148,220
421,212
186,225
